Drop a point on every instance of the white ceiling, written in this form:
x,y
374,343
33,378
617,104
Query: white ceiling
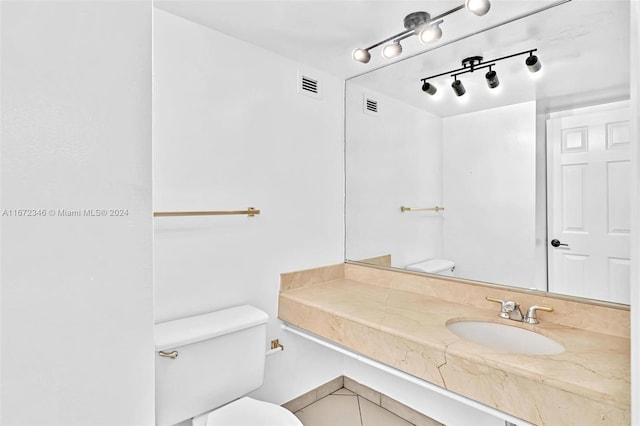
x,y
583,45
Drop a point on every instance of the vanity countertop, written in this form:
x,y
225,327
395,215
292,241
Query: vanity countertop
x,y
588,383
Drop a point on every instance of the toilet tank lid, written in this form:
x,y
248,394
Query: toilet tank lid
x,y
181,332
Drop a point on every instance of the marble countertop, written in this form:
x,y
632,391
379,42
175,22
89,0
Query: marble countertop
x,y
588,383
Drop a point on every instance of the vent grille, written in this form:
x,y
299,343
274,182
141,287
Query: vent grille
x,y
371,105
309,86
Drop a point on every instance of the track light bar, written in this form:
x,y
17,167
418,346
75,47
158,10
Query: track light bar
x,y
427,29
474,63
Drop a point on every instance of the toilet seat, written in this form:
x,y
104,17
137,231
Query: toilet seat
x,y
248,412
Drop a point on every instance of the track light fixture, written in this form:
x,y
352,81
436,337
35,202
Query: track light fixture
x,y
479,7
430,33
492,79
391,50
533,63
427,29
474,63
429,88
361,55
458,87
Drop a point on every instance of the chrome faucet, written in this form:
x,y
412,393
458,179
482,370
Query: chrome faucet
x,y
531,317
511,310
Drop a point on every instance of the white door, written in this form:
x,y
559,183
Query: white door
x,y
588,184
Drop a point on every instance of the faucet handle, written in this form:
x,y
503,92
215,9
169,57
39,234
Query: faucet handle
x,y
531,317
505,306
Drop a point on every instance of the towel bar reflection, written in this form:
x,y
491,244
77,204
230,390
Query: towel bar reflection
x,y
249,212
413,209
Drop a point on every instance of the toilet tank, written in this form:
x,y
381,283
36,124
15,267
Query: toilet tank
x,y
220,357
434,266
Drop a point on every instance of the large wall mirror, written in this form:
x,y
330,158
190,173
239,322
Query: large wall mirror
x,y
543,158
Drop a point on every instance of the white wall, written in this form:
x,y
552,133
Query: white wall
x,y
489,187
393,160
230,132
635,209
1,318
77,299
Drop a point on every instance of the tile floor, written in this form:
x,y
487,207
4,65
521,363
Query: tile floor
x,y
345,408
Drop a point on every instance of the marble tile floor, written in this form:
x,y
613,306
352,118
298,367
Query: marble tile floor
x,y
345,408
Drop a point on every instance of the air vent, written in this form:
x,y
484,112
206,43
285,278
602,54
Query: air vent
x,y
369,106
309,86
372,106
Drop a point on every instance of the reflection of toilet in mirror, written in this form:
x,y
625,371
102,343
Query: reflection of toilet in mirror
x,y
434,266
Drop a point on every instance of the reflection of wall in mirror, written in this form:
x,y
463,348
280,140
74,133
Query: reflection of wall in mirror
x,y
489,192
393,158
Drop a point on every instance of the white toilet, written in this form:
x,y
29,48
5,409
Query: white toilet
x,y
434,266
209,362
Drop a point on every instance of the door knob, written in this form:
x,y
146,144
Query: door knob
x,y
557,243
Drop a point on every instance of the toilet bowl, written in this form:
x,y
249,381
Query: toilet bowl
x,y
434,266
248,412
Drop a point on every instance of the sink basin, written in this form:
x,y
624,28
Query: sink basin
x,y
505,338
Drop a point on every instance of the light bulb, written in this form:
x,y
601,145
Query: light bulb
x,y
391,50
478,7
361,55
430,33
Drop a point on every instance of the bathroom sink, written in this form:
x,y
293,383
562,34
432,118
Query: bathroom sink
x,y
505,338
